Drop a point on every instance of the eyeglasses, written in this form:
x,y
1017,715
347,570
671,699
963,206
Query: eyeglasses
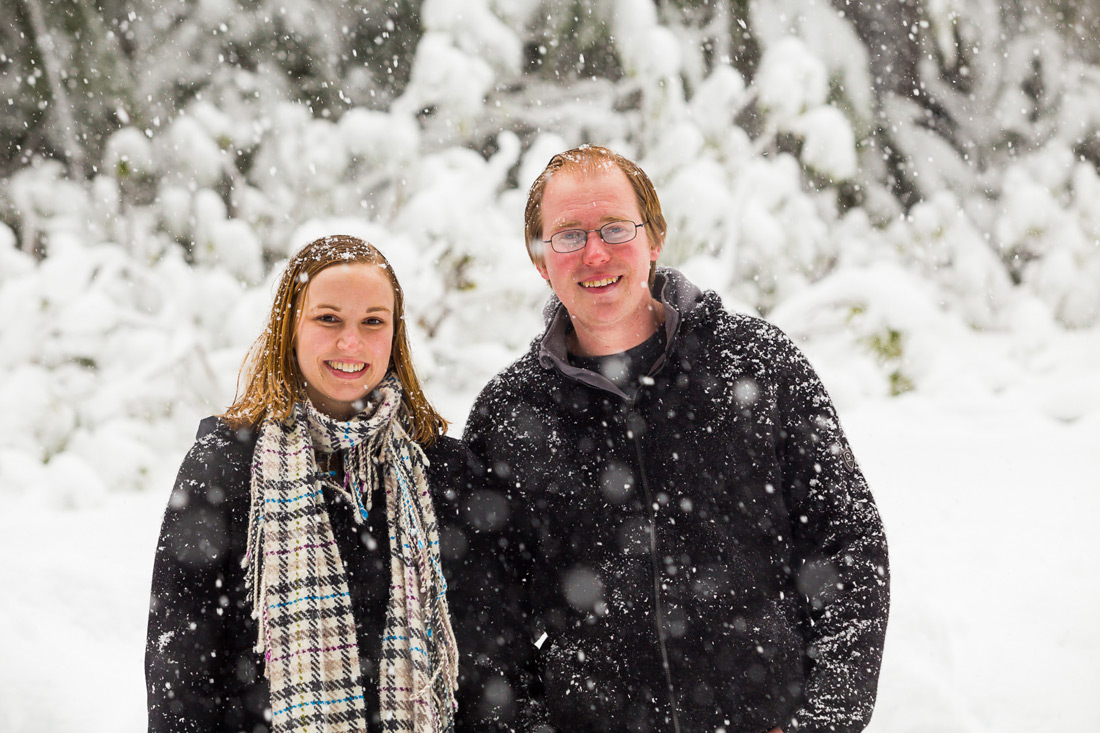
x,y
617,232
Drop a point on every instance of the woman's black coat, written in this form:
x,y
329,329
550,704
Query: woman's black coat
x,y
201,671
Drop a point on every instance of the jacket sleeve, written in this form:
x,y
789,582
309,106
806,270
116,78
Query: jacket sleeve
x,y
840,562
497,603
186,682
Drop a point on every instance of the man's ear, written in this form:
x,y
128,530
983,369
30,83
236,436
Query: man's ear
x,y
541,267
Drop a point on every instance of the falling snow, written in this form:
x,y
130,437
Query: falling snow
x,y
936,260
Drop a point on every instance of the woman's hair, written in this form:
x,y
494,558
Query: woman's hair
x,y
593,159
272,381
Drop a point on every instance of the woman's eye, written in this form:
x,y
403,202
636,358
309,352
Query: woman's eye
x,y
327,318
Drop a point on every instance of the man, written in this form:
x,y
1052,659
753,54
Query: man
x,y
697,546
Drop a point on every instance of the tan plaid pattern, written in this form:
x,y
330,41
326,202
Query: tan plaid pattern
x,y
300,592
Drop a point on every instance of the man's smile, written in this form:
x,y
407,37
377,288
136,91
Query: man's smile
x,y
600,283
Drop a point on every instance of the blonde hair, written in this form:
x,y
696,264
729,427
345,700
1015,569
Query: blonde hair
x,y
272,381
592,159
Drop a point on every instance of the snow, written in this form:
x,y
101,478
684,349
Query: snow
x,y
958,339
791,80
988,506
988,511
447,76
821,129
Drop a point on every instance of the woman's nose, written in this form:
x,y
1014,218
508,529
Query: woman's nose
x,y
348,340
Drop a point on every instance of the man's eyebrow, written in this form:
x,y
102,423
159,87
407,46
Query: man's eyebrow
x,y
570,224
574,224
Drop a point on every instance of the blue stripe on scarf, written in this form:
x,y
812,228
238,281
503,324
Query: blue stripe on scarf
x,y
306,598
317,702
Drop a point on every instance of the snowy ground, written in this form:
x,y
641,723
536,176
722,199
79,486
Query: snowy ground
x,y
988,504
115,344
993,624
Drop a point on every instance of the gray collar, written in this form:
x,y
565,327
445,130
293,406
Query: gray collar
x,y
679,296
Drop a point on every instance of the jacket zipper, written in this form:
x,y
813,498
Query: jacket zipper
x,y
658,616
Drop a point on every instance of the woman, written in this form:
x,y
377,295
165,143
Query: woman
x,y
294,515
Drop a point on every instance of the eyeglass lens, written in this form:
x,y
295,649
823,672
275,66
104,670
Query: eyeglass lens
x,y
616,232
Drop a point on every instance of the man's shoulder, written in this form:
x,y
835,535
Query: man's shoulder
x,y
734,345
524,391
704,316
448,458
712,321
521,374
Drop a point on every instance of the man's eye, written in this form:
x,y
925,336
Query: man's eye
x,y
571,236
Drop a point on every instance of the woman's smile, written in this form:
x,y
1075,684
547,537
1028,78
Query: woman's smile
x,y
349,368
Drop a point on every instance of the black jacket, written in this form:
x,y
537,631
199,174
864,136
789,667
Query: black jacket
x,y
201,671
705,554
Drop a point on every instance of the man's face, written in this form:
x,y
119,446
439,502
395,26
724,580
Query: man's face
x,y
605,287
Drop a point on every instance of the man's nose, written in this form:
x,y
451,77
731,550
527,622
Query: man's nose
x,y
595,250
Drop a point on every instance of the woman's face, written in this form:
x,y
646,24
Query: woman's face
x,y
344,336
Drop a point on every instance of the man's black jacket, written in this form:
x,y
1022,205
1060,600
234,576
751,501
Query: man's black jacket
x,y
702,555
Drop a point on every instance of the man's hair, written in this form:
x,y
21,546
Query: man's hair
x,y
273,383
591,159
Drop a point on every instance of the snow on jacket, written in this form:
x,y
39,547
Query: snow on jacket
x,y
201,671
705,555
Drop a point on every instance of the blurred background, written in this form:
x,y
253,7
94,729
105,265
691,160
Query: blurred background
x,y
910,189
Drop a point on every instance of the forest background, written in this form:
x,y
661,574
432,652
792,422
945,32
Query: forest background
x,y
910,189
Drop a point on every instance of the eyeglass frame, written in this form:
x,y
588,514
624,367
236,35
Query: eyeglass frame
x,y
599,231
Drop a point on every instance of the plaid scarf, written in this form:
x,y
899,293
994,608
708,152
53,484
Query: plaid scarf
x,y
299,587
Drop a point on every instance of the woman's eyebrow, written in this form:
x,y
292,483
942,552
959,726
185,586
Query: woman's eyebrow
x,y
338,309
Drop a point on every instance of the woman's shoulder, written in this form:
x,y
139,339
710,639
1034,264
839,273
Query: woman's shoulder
x,y
220,456
217,431
207,515
216,439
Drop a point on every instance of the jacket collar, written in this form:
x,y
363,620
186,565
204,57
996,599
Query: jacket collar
x,y
679,296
